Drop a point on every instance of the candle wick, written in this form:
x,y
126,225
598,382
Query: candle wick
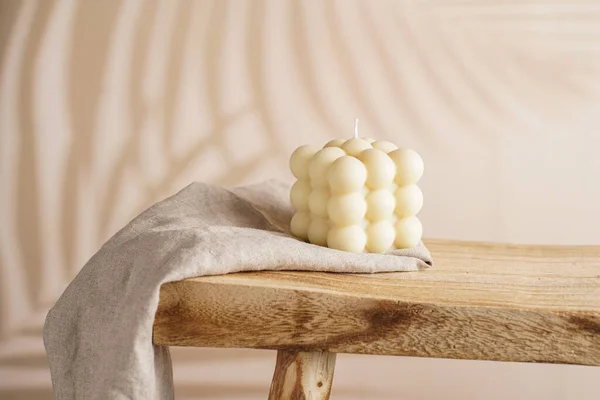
x,y
356,128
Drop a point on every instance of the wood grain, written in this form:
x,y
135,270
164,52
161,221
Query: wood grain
x,y
302,375
480,301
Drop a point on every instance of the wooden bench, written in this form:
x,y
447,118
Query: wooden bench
x,y
481,301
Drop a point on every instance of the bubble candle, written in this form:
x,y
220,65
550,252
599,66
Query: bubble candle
x,y
357,195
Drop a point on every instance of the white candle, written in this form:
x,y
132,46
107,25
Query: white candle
x,y
347,175
357,195
384,145
382,169
409,200
348,238
380,205
408,232
409,166
346,209
380,236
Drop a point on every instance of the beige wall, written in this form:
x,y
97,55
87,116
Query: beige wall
x,y
108,106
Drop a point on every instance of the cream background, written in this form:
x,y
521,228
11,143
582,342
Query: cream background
x,y
108,106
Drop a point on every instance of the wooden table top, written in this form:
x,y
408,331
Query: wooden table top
x,y
480,301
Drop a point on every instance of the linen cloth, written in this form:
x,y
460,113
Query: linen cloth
x,y
98,335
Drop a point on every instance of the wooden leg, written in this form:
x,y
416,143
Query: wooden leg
x,y
302,375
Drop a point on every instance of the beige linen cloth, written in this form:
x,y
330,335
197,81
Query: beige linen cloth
x,y
98,336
